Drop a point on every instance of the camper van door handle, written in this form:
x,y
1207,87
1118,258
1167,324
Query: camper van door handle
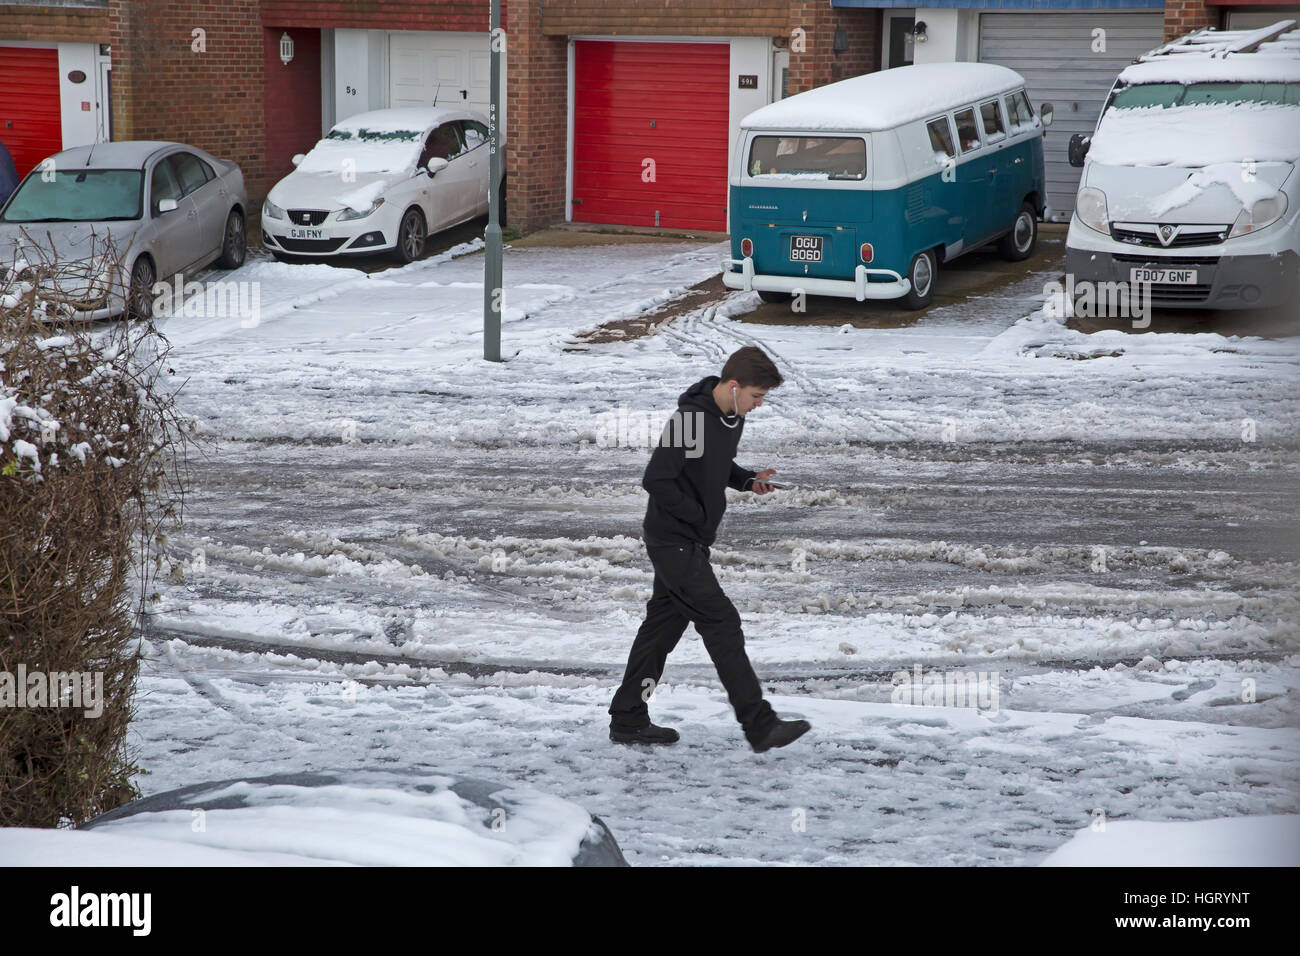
x,y
1018,160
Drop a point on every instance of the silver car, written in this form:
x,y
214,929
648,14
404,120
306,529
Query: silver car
x,y
165,208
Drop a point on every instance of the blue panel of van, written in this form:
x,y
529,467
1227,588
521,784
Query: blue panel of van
x,y
921,215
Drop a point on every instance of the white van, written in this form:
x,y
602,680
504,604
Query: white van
x,y
1189,181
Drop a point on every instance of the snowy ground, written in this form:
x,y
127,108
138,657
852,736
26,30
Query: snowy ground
x,y
401,556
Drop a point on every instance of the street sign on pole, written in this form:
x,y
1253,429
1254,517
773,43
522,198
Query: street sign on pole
x,y
493,293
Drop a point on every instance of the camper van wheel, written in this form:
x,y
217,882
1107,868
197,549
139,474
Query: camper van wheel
x,y
921,275
773,296
1019,242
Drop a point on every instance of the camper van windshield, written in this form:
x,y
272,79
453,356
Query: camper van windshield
x,y
814,157
1191,94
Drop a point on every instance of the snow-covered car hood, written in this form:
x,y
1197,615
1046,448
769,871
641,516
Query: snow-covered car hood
x,y
1214,194
67,241
329,190
1192,164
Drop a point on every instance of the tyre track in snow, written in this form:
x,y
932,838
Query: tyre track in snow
x,y
703,330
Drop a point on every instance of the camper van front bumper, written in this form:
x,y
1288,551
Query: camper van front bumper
x,y
858,288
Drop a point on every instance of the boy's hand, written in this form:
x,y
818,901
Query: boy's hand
x,y
759,485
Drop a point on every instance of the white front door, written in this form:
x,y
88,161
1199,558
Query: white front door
x,y
780,74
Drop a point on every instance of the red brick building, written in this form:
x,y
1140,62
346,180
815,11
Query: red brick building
x,y
594,88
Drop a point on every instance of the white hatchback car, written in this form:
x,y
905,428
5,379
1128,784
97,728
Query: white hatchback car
x,y
381,181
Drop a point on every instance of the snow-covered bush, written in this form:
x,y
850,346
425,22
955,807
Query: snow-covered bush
x,y
91,472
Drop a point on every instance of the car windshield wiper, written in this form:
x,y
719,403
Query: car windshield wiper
x,y
51,219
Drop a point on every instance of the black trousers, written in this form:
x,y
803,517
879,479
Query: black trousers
x,y
686,592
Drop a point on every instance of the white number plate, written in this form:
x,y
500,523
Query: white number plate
x,y
295,233
1163,276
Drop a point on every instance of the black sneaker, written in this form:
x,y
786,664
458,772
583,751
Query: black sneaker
x,y
783,732
649,734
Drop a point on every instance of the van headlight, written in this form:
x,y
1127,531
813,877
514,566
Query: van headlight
x,y
1090,207
1263,213
348,213
271,211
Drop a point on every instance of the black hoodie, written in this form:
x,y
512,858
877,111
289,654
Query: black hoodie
x,y
687,486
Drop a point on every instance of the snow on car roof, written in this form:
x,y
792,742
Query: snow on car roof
x,y
886,98
1202,68
395,138
416,119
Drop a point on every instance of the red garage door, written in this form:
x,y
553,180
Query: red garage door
x,y
650,134
29,105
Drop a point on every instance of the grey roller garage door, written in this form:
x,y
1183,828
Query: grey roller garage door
x,y
1054,53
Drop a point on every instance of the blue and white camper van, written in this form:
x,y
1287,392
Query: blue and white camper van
x,y
865,187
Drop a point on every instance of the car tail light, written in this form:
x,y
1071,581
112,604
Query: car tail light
x,y
746,247
867,252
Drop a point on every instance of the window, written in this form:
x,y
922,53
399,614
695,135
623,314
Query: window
x,y
967,134
475,134
809,157
1178,94
77,195
189,171
991,116
1018,114
164,185
443,143
941,138
1025,106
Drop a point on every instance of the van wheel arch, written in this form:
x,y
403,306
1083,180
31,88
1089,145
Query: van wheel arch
x,y
925,262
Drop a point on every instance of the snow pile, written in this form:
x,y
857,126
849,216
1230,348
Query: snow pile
x,y
286,825
1272,840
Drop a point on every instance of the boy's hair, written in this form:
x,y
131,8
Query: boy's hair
x,y
751,366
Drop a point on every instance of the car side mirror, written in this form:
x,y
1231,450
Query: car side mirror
x,y
1079,144
168,205
435,164
298,158
1045,114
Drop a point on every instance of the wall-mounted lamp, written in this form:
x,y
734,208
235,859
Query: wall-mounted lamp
x,y
918,32
841,42
286,48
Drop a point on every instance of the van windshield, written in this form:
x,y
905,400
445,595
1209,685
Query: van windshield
x,y
809,157
1192,94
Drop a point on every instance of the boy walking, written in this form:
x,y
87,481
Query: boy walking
x,y
687,482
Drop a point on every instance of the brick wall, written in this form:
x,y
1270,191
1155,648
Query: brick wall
x,y
537,117
818,63
665,17
54,24
462,15
1184,16
293,107
163,88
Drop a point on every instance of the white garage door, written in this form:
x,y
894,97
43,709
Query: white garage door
x,y
439,69
1067,63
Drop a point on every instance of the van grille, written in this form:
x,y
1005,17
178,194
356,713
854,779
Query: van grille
x,y
1144,234
1166,292
915,204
